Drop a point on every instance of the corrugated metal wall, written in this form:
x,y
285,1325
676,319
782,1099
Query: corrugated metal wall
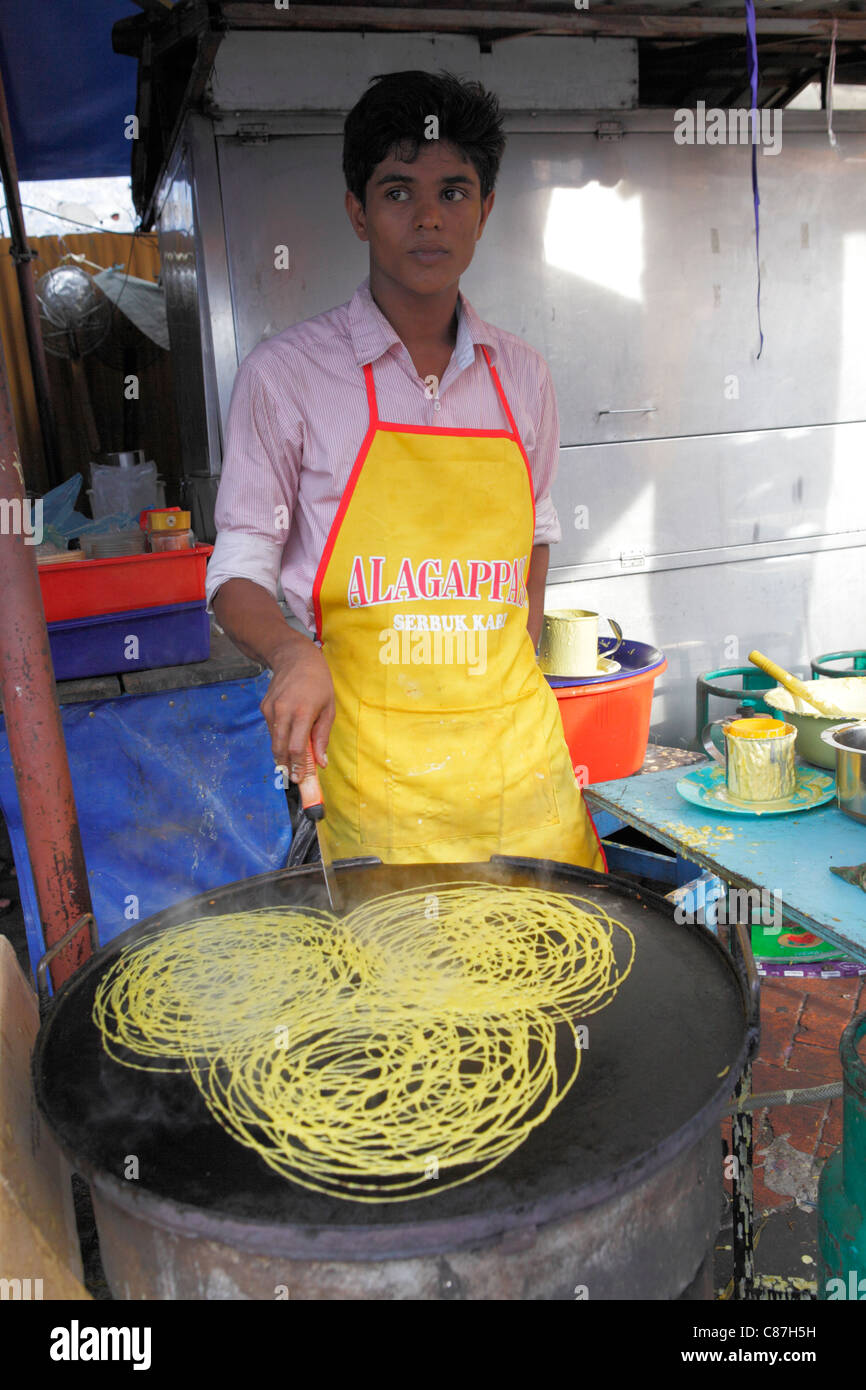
x,y
148,423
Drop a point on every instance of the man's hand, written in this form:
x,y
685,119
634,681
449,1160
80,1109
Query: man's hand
x,y
299,705
300,698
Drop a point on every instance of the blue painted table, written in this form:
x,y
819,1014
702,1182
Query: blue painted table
x,y
789,855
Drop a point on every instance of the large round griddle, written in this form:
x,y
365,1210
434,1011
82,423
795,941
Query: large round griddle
x,y
661,1061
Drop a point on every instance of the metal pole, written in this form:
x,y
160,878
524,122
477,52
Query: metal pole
x,y
32,716
22,256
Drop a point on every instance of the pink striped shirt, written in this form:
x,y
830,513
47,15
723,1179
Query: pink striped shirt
x,y
299,414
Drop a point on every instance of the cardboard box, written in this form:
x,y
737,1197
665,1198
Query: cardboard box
x,y
40,1255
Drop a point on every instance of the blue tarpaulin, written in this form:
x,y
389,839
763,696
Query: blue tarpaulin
x,y
176,793
67,92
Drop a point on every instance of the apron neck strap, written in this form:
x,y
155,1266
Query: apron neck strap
x,y
371,393
374,409
500,393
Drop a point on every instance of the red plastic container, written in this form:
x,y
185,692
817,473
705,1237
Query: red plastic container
x,y
92,588
607,725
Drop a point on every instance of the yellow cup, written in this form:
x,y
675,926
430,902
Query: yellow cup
x,y
758,758
569,642
757,728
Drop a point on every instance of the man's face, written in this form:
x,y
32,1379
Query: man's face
x,y
422,219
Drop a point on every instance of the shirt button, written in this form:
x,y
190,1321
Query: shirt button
x,y
437,405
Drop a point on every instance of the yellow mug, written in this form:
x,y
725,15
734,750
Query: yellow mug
x,y
569,642
758,757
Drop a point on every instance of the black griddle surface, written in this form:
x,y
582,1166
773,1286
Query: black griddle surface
x,y
662,1054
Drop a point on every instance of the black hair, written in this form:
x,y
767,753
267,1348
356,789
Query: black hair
x,y
393,114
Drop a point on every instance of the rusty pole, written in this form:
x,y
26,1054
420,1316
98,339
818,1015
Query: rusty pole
x,y
32,716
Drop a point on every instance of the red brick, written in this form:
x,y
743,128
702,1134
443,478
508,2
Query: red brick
x,y
824,1030
770,1078
831,1135
832,1132
820,1064
826,1015
801,1023
780,989
802,1125
780,1013
779,995
829,989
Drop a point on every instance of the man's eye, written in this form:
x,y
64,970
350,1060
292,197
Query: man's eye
x,y
400,193
458,191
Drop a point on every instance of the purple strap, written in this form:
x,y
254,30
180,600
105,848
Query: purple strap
x,y
752,55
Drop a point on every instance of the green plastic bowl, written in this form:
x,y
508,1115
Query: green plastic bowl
x,y
810,726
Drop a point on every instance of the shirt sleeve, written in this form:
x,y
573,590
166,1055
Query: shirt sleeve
x,y
545,462
259,481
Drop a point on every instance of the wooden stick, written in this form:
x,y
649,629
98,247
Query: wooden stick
x,y
795,686
247,14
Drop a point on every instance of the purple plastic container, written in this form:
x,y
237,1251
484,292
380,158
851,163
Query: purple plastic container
x,y
136,640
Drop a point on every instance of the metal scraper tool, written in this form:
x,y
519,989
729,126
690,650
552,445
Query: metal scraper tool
x,y
314,809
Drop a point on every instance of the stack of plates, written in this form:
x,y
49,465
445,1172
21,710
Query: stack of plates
x,y
114,544
61,558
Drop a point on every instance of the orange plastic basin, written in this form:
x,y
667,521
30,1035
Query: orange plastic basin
x,y
607,725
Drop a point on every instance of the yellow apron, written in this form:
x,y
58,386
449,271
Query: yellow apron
x,y
447,744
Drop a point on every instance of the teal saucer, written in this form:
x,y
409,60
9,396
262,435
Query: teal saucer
x,y
706,787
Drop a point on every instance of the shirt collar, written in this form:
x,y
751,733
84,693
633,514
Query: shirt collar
x,y
372,335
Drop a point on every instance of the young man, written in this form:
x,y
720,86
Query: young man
x,y
410,447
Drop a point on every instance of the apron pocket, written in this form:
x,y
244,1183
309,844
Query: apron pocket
x,y
452,775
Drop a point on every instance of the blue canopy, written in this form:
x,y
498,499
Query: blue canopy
x,y
67,92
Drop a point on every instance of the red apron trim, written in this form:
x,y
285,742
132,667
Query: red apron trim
x,y
515,431
395,428
345,500
595,833
371,393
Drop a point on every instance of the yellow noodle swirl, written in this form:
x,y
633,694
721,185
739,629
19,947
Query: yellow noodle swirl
x,y
204,984
363,1057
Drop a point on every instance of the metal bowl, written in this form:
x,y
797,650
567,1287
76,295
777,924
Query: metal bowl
x,y
849,743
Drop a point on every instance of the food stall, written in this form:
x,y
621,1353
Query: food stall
x,y
697,303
